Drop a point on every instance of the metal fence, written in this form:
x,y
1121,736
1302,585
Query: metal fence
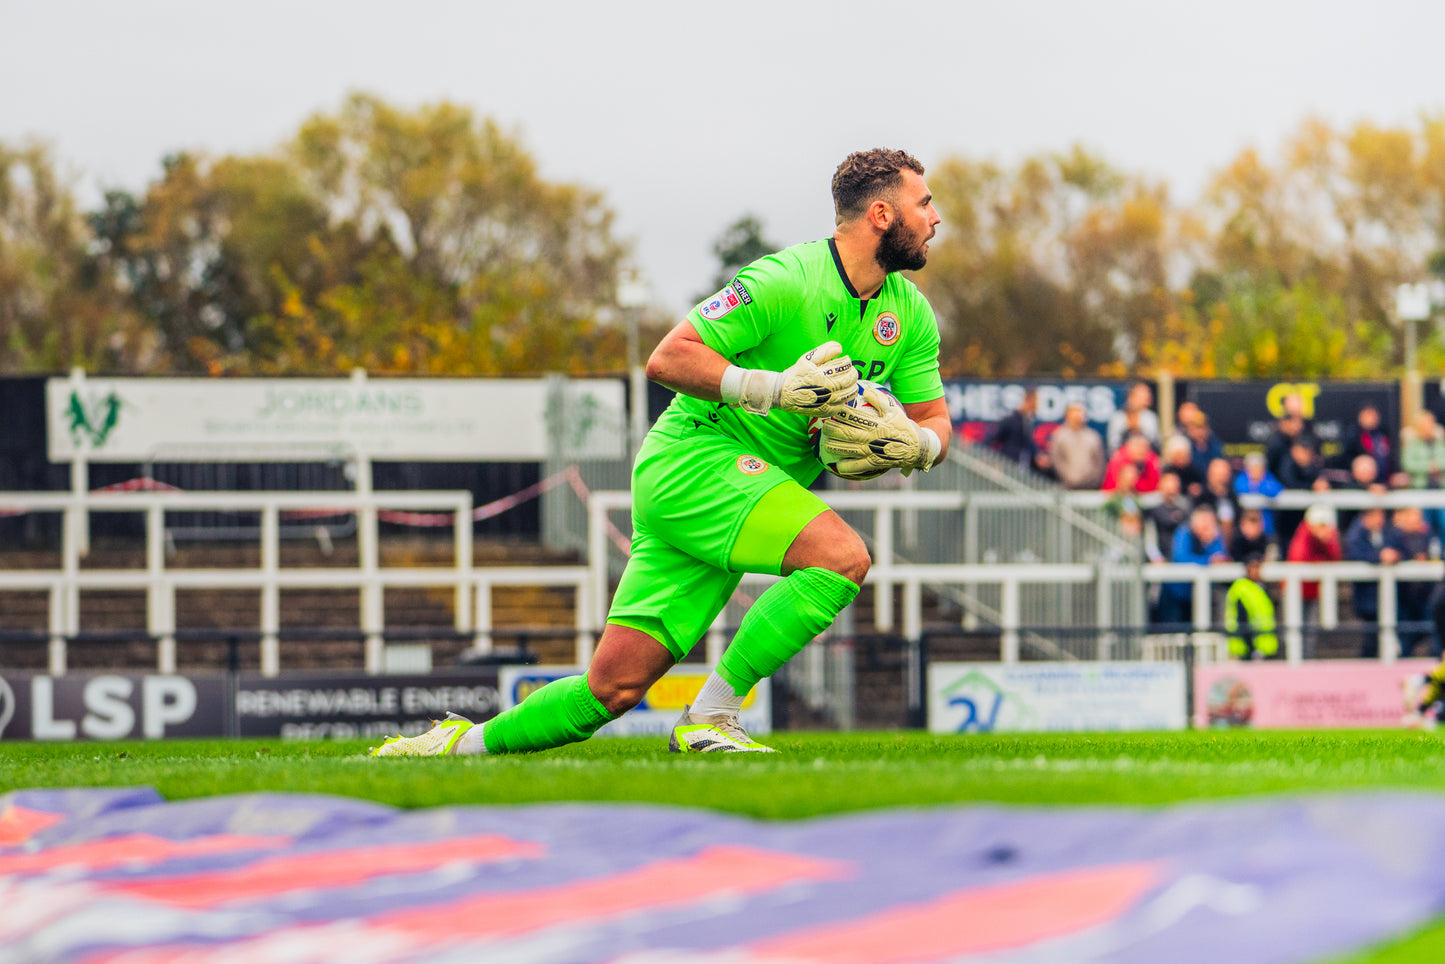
x,y
975,508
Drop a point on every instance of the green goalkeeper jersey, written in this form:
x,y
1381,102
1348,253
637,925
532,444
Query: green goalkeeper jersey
x,y
788,303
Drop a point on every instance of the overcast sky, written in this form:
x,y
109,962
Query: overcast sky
x,y
689,115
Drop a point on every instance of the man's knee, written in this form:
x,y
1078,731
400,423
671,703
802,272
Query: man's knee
x,y
627,662
829,543
853,561
617,696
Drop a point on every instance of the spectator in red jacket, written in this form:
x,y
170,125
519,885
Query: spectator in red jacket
x,y
1137,452
1316,540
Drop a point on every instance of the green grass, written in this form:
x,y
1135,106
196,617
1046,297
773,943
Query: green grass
x,y
817,773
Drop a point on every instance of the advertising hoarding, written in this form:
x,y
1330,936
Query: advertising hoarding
x,y
1041,697
1243,414
1313,695
335,706
112,706
659,709
976,405
210,419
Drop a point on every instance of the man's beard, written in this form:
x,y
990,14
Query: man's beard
x,y
900,249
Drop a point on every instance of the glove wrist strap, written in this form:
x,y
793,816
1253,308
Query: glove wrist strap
x,y
929,440
751,389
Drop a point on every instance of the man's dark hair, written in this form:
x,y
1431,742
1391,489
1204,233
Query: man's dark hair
x,y
864,176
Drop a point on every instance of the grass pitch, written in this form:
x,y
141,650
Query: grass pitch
x,y
815,774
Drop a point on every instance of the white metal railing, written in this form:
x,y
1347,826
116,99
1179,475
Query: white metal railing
x,y
886,573
472,587
1292,575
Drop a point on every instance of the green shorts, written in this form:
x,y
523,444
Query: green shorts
x,y
692,493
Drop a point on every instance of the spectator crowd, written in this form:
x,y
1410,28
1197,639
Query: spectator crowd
x,y
1180,496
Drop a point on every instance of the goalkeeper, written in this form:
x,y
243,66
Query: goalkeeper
x,y
719,486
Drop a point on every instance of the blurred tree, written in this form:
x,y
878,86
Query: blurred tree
x,y
1337,224
399,241
201,251
477,264
58,307
740,244
1057,265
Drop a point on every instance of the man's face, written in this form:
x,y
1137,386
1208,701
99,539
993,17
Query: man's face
x,y
1369,419
1410,519
904,244
1203,526
1364,469
1251,525
1140,397
1074,416
1373,519
1219,474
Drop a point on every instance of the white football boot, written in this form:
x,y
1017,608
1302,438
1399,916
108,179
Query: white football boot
x,y
440,740
712,734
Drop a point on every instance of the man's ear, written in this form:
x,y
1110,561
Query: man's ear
x,y
880,214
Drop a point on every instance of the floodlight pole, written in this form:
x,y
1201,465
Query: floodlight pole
x,y
1412,304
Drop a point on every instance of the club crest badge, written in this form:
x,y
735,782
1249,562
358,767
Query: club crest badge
x,y
720,304
751,465
885,329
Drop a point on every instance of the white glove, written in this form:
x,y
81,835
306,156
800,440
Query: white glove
x,y
821,383
884,438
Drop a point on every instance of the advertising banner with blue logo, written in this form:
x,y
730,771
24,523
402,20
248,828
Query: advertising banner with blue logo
x,y
659,709
1038,697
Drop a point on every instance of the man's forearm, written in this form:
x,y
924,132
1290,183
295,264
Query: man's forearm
x,y
688,366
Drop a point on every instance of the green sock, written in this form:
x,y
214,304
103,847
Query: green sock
x,y
784,619
564,711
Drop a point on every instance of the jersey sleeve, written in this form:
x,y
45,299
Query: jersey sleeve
x,y
748,309
916,378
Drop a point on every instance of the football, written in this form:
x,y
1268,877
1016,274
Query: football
x,y
818,430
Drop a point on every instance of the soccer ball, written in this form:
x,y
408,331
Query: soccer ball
x,y
818,431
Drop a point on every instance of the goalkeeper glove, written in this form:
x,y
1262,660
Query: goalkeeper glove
x,y
881,438
820,383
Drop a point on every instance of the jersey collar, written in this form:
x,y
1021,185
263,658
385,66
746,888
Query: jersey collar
x,y
838,263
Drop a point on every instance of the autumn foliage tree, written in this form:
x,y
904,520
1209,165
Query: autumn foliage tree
x,y
57,306
398,241
426,241
1286,266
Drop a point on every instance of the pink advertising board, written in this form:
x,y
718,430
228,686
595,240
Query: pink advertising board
x,y
1325,693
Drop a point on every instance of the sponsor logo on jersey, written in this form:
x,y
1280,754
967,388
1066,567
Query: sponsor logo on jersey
x,y
886,329
751,465
720,304
742,291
